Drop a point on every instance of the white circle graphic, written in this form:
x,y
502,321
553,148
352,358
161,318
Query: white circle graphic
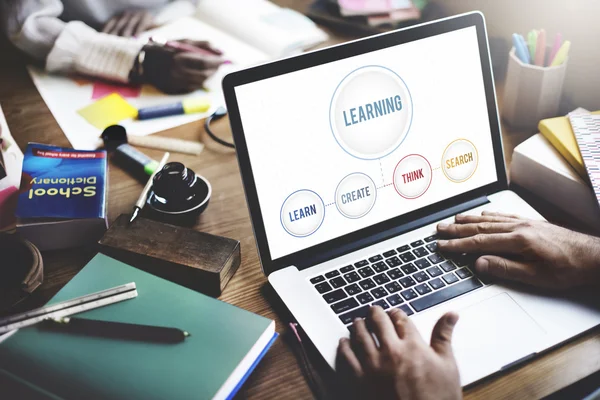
x,y
460,160
302,213
371,112
355,195
412,176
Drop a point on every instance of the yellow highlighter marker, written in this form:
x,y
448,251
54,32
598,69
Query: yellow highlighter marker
x,y
561,54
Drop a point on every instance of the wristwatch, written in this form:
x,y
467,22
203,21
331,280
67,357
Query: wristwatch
x,y
21,271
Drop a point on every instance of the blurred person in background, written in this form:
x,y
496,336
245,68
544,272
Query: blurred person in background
x,y
96,38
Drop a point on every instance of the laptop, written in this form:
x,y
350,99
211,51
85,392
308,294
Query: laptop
x,y
351,155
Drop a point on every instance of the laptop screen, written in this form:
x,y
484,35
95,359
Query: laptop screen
x,y
341,146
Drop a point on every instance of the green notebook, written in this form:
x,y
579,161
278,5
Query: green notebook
x,y
226,343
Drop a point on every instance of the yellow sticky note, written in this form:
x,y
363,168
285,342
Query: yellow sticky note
x,y
109,110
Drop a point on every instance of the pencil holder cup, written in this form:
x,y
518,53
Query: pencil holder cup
x,y
531,92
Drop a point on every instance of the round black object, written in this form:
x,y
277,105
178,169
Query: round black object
x,y
21,269
114,136
178,196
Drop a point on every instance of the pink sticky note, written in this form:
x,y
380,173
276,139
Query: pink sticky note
x,y
102,89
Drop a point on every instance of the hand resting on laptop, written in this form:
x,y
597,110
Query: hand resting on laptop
x,y
532,252
508,247
403,366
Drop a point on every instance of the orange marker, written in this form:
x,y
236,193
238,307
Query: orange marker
x,y
540,48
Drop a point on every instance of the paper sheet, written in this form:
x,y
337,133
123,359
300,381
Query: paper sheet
x,y
65,95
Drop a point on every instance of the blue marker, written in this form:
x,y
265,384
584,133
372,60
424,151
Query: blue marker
x,y
188,106
520,48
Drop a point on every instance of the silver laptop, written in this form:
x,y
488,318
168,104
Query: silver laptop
x,y
349,158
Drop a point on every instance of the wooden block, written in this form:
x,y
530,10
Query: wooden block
x,y
197,260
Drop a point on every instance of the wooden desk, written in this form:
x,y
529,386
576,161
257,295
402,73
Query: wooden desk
x,y
278,375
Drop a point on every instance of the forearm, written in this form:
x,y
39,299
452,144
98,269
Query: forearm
x,y
32,25
81,49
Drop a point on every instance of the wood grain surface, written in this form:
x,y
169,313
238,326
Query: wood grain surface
x,y
278,375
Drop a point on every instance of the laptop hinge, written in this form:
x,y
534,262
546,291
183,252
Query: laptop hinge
x,y
390,233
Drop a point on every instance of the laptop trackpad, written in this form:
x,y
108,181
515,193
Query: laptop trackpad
x,y
494,333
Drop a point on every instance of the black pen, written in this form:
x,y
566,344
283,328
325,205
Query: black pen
x,y
118,330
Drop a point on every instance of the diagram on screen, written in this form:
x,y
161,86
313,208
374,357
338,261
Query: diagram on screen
x,y
371,130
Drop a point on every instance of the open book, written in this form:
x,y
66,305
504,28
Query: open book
x,y
273,30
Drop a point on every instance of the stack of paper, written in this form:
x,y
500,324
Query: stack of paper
x,y
587,132
538,167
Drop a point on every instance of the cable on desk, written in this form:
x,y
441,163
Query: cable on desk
x,y
305,365
218,114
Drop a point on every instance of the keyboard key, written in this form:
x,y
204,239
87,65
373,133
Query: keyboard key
x,y
463,259
389,253
407,257
379,292
380,266
464,273
436,283
349,317
352,277
381,279
407,281
406,309
395,273
334,296
393,287
366,272
338,282
422,263
361,263
317,279
430,238
323,287
347,268
394,300
344,305
435,258
376,258
434,271
408,269
420,276
408,294
450,278
447,266
423,289
432,247
445,294
417,243
381,303
393,261
402,249
332,274
365,298
353,289
420,252
367,284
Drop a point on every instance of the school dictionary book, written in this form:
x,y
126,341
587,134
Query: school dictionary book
x,y
63,201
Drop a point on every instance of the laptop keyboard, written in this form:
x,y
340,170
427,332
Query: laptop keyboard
x,y
413,277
